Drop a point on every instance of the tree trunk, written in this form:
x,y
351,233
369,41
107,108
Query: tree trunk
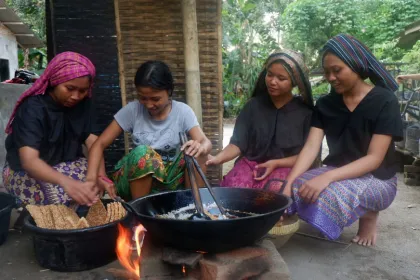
x,y
26,59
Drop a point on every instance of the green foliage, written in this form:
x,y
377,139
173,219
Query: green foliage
x,y
32,13
305,26
248,39
320,89
308,24
412,58
37,60
233,104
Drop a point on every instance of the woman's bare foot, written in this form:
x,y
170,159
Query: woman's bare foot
x,y
366,235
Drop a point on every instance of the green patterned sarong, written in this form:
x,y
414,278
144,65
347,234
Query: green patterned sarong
x,y
142,161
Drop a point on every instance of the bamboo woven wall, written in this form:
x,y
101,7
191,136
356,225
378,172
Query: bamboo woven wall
x,y
88,27
152,30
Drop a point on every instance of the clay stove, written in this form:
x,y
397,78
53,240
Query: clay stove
x,y
260,262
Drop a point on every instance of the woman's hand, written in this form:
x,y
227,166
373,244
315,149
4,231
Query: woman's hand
x,y
84,193
193,148
212,160
105,184
310,190
401,78
288,189
261,171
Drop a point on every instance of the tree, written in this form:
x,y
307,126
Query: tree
x,y
251,31
308,24
32,13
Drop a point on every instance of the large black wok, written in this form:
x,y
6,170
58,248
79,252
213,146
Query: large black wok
x,y
211,235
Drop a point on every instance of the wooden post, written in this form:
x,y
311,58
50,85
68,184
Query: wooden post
x,y
220,79
121,69
50,26
191,57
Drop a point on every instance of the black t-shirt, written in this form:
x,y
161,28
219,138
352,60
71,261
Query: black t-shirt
x,y
55,131
263,132
349,133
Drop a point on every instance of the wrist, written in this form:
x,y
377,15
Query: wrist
x,y
276,163
91,178
219,159
63,181
330,176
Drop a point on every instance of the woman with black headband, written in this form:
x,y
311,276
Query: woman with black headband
x,y
360,121
272,127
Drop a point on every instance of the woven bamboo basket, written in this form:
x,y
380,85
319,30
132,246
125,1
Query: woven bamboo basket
x,y
282,231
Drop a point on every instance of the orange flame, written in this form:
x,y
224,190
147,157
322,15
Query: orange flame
x,y
124,248
184,270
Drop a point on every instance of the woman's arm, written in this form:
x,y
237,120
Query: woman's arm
x,y
89,143
306,157
285,162
199,145
269,166
378,148
227,154
40,170
96,151
103,182
400,78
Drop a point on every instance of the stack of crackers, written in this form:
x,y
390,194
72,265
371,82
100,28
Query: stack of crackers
x,y
62,217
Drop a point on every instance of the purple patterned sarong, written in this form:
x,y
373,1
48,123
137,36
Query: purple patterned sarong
x,y
343,202
31,191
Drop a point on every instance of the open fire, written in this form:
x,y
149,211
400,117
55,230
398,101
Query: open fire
x,y
261,261
125,254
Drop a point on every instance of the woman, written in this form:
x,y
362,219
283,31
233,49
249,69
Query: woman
x,y
50,123
360,121
154,120
272,127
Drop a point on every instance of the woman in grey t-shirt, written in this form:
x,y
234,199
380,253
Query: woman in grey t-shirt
x,y
154,121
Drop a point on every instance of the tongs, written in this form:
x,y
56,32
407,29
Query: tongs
x,y
191,162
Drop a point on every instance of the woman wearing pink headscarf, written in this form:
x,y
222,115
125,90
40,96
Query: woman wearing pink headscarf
x,y
50,123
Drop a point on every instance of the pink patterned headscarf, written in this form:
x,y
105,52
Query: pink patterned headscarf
x,y
63,67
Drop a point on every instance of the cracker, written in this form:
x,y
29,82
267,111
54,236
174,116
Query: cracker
x,y
118,211
112,215
114,211
59,220
71,223
36,214
48,216
97,214
69,215
83,223
108,212
121,211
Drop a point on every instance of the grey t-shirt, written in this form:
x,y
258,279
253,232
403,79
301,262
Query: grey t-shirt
x,y
162,136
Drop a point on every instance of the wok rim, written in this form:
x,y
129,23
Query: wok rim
x,y
9,206
133,202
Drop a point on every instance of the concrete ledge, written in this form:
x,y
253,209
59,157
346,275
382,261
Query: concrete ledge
x,y
9,94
